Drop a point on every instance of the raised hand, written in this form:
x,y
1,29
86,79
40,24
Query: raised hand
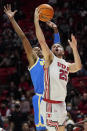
x,y
51,24
8,12
36,15
73,42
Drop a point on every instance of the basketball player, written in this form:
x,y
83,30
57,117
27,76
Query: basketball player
x,y
53,105
35,66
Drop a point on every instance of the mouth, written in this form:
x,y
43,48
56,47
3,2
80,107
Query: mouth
x,y
56,50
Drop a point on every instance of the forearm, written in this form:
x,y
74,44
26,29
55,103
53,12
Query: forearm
x,y
56,30
11,127
77,59
45,49
17,28
39,33
41,39
25,41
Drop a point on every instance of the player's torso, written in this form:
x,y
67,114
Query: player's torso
x,y
37,76
58,79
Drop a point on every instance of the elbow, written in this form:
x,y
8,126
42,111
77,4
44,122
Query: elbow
x,y
79,67
41,41
22,36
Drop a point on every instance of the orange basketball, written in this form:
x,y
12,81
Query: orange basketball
x,y
46,12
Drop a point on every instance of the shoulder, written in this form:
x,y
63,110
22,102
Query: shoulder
x,y
33,59
35,64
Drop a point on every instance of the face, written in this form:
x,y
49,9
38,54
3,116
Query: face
x,y
25,127
38,51
85,126
85,96
58,50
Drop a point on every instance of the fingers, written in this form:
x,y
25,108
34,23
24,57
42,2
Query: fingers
x,y
15,11
10,6
48,22
73,38
37,12
69,41
7,7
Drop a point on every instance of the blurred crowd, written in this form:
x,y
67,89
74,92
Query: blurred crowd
x,y
16,89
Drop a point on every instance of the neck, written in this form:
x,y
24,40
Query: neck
x,y
59,56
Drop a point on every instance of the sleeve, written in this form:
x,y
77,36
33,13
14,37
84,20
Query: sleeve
x,y
56,38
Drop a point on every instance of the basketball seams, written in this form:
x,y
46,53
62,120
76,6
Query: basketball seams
x,y
46,12
46,8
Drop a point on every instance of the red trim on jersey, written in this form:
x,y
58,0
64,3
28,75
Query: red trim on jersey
x,y
53,124
48,107
52,101
46,83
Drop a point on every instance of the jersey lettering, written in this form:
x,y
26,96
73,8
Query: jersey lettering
x,y
42,62
63,75
62,66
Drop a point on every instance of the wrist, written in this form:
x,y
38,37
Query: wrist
x,y
11,19
55,30
74,49
36,21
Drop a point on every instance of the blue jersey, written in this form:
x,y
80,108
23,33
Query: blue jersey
x,y
37,76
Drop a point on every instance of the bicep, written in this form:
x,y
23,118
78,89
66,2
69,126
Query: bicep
x,y
27,45
32,59
72,68
31,56
48,56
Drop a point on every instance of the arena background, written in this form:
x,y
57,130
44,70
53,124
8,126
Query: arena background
x,y
15,82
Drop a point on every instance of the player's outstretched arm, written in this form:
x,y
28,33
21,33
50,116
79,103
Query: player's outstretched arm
x,y
56,32
76,66
40,36
25,41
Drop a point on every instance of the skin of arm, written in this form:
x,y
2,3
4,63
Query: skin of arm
x,y
53,26
11,126
56,32
76,66
31,56
40,36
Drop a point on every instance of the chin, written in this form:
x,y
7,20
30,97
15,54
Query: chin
x,y
40,56
58,55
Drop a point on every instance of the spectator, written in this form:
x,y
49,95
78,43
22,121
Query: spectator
x,y
1,129
23,84
1,122
17,118
25,105
85,125
6,62
13,91
25,127
83,104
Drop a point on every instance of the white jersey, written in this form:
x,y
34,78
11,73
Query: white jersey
x,y
56,78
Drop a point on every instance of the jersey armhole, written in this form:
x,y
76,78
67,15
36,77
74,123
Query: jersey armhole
x,y
33,65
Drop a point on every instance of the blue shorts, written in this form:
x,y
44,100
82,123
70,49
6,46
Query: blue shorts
x,y
38,119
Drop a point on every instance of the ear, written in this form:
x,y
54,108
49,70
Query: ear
x,y
63,53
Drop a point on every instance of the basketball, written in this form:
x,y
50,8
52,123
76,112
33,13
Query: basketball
x,y
46,12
